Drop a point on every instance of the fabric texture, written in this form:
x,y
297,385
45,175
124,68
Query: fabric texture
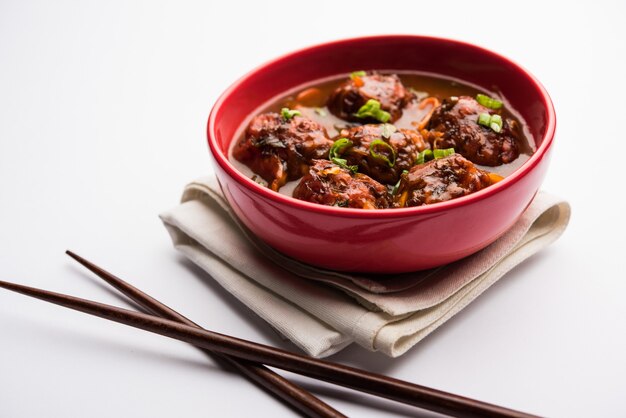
x,y
324,311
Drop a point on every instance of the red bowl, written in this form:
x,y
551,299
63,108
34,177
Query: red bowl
x,y
383,240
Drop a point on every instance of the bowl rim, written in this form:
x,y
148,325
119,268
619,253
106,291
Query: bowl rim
x,y
507,182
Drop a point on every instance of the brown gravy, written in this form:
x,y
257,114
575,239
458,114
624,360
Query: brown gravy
x,y
310,99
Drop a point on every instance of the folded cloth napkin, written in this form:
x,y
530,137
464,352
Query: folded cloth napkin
x,y
323,311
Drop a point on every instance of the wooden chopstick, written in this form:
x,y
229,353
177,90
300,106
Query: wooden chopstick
x,y
296,396
375,384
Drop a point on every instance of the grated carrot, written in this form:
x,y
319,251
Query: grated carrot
x,y
403,197
434,102
495,178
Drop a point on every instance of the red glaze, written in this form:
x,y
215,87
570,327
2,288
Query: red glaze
x,y
383,240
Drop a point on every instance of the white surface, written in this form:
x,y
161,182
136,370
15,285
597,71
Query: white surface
x,y
102,118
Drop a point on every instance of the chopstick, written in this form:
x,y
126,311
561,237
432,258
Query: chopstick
x,y
375,384
299,398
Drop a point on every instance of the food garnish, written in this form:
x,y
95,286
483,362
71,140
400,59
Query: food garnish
x,y
491,121
287,113
337,148
371,109
488,101
391,159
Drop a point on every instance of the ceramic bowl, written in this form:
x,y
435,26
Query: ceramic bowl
x,y
384,240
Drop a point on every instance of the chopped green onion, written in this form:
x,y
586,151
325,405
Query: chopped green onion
x,y
287,113
488,101
387,130
424,156
491,121
442,153
371,109
343,163
397,186
496,123
392,152
356,74
484,119
339,146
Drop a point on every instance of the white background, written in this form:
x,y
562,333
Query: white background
x,y
103,107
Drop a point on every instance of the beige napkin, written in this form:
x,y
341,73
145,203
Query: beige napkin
x,y
323,311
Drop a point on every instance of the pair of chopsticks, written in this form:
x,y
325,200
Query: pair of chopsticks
x,y
249,357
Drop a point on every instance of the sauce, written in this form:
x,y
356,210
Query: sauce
x,y
310,99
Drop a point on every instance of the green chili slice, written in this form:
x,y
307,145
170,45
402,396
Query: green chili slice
x,y
390,160
424,156
338,147
428,155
